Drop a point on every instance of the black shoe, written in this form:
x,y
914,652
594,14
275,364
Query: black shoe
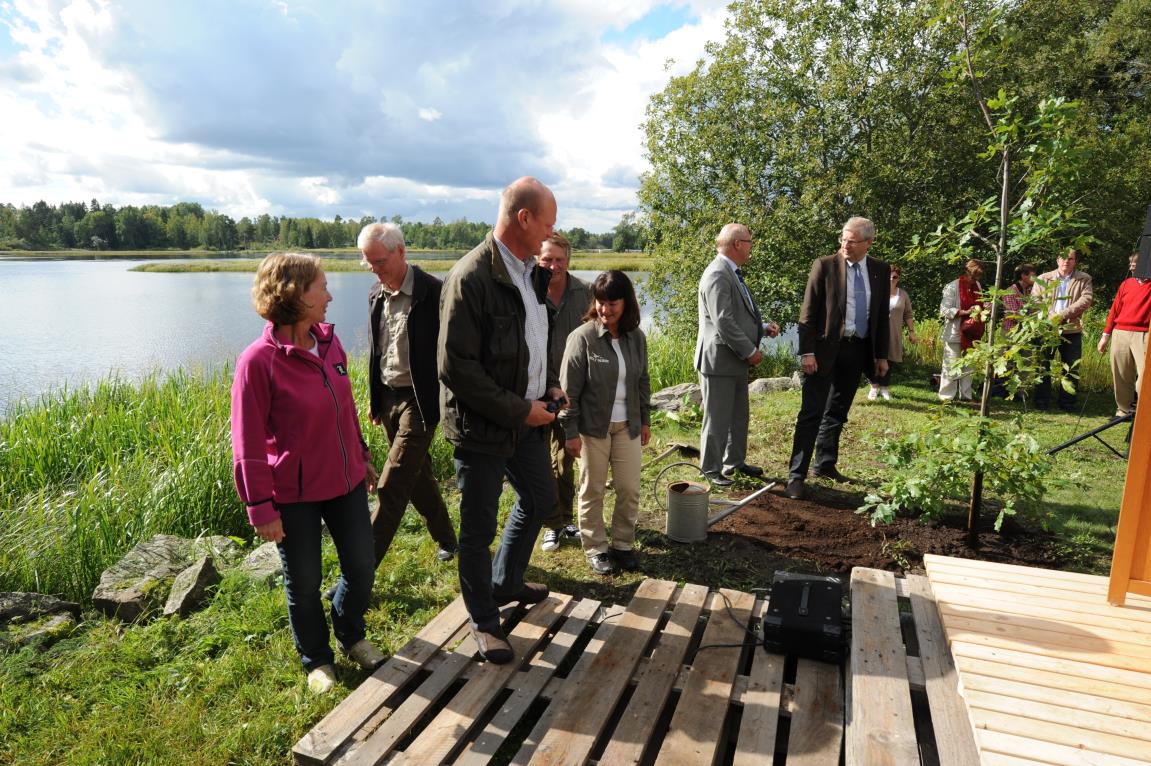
x,y
493,646
531,593
718,480
796,489
330,593
832,473
445,554
601,563
753,471
628,561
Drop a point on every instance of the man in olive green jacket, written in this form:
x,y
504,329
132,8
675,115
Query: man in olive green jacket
x,y
499,396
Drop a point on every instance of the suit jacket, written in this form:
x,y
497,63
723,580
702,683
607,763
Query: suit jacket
x,y
730,326
423,330
822,317
1080,296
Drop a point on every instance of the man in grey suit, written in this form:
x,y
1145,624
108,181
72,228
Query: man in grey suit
x,y
730,329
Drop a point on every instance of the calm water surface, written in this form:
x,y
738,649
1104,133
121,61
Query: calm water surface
x,y
68,323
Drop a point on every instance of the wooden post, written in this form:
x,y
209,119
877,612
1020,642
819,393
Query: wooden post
x,y
1130,562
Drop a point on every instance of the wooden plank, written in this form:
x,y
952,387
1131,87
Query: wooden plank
x,y
759,724
1083,612
694,732
1061,712
882,727
1117,683
319,744
1048,752
1019,572
1061,626
533,682
1009,589
635,728
461,714
955,742
1081,739
999,759
817,716
1090,693
583,709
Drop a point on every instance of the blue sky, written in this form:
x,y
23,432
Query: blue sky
x,y
362,107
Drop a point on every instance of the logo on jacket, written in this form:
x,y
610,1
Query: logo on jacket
x,y
340,368
594,357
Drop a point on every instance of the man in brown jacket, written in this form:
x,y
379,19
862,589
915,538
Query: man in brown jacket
x,y
1071,297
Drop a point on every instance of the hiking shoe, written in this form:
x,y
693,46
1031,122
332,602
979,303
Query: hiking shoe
x,y
551,541
321,679
367,656
601,563
493,646
445,554
570,532
626,560
531,593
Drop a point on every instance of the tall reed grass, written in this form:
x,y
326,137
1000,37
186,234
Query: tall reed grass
x,y
671,360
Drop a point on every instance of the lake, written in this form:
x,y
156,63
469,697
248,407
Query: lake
x,y
70,322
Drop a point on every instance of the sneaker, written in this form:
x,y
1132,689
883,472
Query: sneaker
x,y
601,563
445,554
570,532
321,679
551,541
367,656
885,393
873,394
626,560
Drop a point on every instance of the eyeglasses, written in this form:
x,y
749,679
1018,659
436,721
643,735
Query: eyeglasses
x,y
748,241
853,242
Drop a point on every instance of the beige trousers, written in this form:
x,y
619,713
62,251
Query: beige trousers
x,y
1128,351
623,455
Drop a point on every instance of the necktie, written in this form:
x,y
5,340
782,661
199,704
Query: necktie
x,y
860,302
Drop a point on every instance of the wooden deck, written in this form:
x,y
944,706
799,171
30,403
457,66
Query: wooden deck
x,y
657,683
1051,673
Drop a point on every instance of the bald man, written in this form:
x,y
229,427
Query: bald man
x,y
499,398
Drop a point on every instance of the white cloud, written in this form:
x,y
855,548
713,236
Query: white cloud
x,y
298,106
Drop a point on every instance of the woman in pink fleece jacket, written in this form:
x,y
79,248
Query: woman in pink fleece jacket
x,y
300,459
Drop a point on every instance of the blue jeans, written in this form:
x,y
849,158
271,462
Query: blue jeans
x,y
480,477
351,528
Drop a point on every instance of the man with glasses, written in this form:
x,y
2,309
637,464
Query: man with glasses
x,y
730,329
843,333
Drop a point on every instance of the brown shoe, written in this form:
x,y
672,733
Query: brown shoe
x,y
831,473
494,646
795,489
531,593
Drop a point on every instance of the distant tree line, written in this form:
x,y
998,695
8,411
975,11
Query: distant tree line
x,y
187,226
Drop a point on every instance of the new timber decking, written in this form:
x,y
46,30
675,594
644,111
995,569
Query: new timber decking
x,y
1051,673
673,678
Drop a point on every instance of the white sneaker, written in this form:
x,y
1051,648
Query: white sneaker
x,y
551,541
322,679
367,656
885,393
571,532
873,394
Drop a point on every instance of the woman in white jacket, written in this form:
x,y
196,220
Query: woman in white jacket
x,y
960,301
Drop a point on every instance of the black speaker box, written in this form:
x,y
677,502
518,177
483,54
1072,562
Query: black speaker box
x,y
805,617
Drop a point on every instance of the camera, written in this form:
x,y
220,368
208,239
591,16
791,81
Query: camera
x,y
555,405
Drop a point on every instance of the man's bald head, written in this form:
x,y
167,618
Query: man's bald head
x,y
734,241
526,217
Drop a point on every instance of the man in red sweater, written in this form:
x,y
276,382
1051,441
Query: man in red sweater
x,y
1128,321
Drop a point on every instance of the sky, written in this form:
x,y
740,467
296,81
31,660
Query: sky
x,y
348,107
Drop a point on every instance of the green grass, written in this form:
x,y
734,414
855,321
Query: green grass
x,y
83,476
579,262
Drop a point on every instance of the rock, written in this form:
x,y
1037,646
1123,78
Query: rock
x,y
262,564
42,632
671,399
769,385
141,579
22,607
190,587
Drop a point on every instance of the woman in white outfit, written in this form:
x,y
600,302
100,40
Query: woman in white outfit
x,y
960,301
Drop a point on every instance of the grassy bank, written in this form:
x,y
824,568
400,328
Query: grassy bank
x,y
86,475
579,262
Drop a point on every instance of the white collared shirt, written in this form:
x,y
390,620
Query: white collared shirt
x,y
849,328
535,321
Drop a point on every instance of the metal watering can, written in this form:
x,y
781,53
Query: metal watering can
x,y
686,507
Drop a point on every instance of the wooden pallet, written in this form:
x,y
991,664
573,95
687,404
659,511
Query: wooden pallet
x,y
634,685
1052,673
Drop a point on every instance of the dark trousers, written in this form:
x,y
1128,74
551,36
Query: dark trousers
x,y
563,470
480,477
407,475
883,380
346,517
823,412
1070,351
